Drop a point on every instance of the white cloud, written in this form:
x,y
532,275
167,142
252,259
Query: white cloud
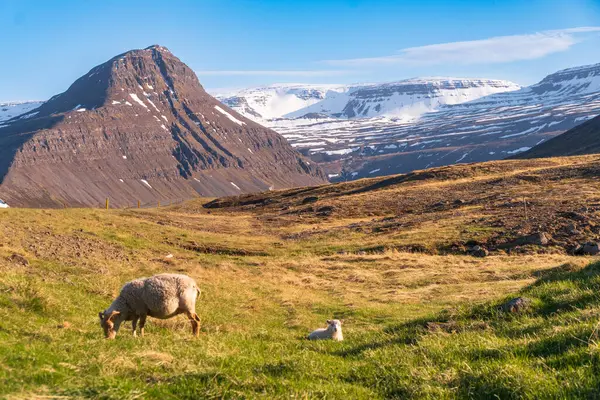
x,y
307,73
501,49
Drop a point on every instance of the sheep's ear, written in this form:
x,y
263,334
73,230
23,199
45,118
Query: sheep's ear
x,y
329,321
113,314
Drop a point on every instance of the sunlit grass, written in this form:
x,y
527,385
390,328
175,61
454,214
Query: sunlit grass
x,y
416,324
257,310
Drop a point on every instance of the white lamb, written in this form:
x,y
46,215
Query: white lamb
x,y
333,331
161,296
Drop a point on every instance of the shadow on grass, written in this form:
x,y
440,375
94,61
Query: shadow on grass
x,y
402,334
561,289
279,369
537,353
395,180
195,385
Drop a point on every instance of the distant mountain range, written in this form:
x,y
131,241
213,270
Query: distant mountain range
x,y
139,127
406,99
351,131
379,129
13,109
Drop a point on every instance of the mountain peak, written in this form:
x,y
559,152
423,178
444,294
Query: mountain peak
x,y
142,117
570,81
584,72
582,68
158,48
153,71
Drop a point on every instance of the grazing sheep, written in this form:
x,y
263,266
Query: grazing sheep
x,y
160,296
333,331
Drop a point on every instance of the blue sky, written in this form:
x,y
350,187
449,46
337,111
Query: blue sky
x,y
48,44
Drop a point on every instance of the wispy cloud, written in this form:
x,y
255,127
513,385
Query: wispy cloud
x,y
298,73
501,49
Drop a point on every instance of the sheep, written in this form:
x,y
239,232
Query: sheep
x,y
333,331
160,296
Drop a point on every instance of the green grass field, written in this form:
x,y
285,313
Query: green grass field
x,y
416,325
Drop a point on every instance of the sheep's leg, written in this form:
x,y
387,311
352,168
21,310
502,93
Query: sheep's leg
x,y
142,324
134,326
195,321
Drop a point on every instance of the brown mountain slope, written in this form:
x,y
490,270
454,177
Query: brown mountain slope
x,y
501,205
140,127
583,139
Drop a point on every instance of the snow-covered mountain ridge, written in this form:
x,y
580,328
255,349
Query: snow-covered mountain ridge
x,y
404,99
433,126
276,101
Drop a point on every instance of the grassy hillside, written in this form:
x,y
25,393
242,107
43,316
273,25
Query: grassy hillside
x,y
387,256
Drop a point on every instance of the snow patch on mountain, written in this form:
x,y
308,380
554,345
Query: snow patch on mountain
x,y
231,117
137,99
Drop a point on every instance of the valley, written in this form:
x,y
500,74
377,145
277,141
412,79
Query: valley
x,y
300,200
390,256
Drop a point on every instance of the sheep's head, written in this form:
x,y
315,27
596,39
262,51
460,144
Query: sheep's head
x,y
334,325
107,322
